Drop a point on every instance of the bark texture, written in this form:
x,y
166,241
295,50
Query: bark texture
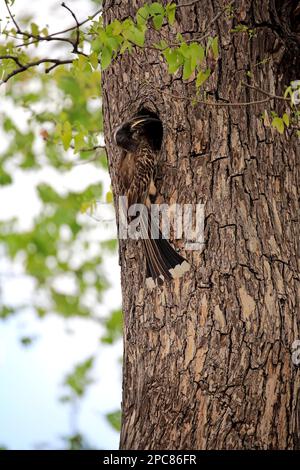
x,y
207,359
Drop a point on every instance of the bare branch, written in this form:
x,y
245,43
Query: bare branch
x,y
52,36
57,63
11,57
264,92
12,17
85,162
91,149
210,103
77,27
81,23
188,4
24,67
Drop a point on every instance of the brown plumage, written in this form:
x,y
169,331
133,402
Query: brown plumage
x,y
136,181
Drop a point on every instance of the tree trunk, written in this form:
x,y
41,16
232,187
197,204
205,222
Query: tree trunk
x,y
207,358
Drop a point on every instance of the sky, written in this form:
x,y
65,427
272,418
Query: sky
x,y
31,415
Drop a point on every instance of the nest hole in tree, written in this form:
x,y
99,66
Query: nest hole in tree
x,y
153,129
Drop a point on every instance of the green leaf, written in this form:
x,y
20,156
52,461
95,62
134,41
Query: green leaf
x,y
93,58
79,141
197,54
114,419
45,32
106,57
202,77
117,27
27,340
34,29
88,206
6,312
170,12
109,197
126,45
113,43
161,45
142,15
133,33
138,36
184,50
158,21
288,91
113,326
156,8
286,119
215,47
5,178
278,124
157,11
174,59
47,194
187,69
66,135
79,379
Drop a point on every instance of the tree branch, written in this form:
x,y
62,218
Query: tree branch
x,y
24,67
264,92
210,103
76,44
12,17
12,57
52,36
188,4
91,149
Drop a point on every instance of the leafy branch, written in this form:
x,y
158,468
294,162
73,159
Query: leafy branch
x,y
36,38
24,67
196,57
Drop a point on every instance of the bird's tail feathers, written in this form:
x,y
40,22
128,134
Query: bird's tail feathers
x,y
163,261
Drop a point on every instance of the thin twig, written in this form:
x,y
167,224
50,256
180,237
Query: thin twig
x,y
24,67
84,162
264,92
12,17
76,44
45,38
205,34
57,63
188,4
91,149
208,103
36,37
81,23
11,57
50,37
215,18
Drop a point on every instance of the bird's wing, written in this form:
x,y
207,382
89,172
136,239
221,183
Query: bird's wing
x,y
143,173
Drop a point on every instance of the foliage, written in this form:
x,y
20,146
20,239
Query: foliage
x,y
78,380
77,442
113,327
115,419
56,125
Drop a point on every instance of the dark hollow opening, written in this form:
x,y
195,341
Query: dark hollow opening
x,y
154,129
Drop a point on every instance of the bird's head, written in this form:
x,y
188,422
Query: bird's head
x,y
130,134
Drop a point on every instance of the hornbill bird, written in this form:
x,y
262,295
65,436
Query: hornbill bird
x,y
136,173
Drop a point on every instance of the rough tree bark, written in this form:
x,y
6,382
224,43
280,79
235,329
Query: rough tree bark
x,y
207,359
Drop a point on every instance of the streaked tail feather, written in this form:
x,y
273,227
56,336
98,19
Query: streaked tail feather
x,y
163,261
